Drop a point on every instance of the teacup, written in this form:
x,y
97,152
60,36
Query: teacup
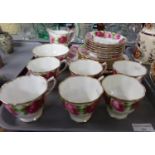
x,y
24,96
51,50
81,94
46,67
59,36
87,67
122,95
130,68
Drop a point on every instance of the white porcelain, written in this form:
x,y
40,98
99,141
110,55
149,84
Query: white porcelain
x,y
24,96
105,37
130,68
81,95
46,66
51,50
43,64
60,36
23,89
87,67
122,94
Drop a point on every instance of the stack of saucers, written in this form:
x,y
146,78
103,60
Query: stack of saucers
x,y
103,46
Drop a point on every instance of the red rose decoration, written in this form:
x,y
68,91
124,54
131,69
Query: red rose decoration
x,y
91,108
62,40
51,40
71,108
35,106
10,109
117,36
117,105
48,75
99,34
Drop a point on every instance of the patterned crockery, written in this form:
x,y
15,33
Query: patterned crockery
x,y
24,97
81,94
87,67
145,46
59,36
51,50
102,38
86,54
122,95
46,67
129,68
73,54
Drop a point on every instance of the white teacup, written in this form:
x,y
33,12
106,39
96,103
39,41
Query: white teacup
x,y
87,67
122,94
81,95
24,97
51,50
129,68
46,66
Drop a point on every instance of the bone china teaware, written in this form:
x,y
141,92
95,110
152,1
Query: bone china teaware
x,y
81,94
24,96
122,94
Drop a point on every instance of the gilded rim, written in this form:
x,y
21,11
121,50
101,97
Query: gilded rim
x,y
97,58
127,74
43,72
83,103
87,74
113,45
29,100
36,55
120,98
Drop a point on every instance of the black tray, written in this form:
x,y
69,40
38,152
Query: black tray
x,y
56,118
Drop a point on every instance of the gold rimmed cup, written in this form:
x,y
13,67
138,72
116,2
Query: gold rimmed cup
x,y
87,67
122,95
81,95
24,96
51,50
129,68
46,66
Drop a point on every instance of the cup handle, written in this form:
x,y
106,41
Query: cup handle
x,y
139,78
65,66
51,84
101,78
105,66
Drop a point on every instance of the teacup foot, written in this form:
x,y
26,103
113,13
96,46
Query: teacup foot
x,y
80,118
114,114
32,117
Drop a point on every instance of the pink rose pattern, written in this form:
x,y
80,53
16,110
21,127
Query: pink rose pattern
x,y
76,110
49,74
25,109
105,34
52,39
122,106
62,40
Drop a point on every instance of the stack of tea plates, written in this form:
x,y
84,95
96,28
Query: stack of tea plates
x,y
103,46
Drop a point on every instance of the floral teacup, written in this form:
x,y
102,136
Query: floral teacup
x,y
122,95
81,95
87,67
24,97
46,66
129,68
60,36
51,50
